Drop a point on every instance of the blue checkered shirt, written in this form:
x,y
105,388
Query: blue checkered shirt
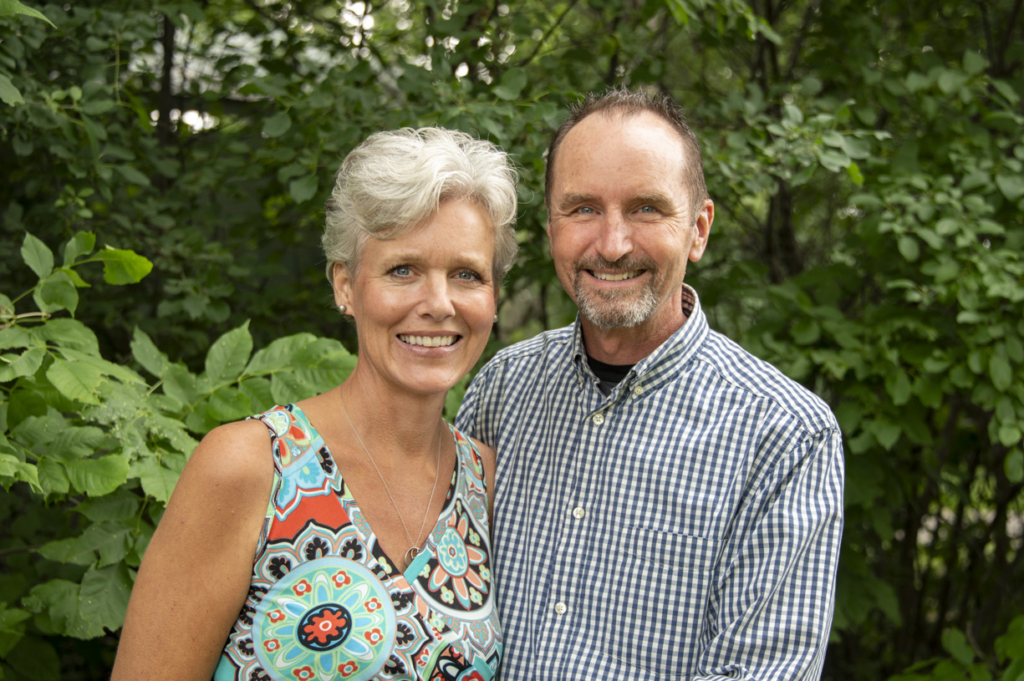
x,y
685,526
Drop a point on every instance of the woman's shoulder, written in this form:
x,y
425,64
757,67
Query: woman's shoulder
x,y
236,455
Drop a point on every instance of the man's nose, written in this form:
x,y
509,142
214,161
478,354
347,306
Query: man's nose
x,y
615,238
437,301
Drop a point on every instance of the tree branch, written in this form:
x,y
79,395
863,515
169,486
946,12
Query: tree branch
x,y
547,34
1004,44
794,52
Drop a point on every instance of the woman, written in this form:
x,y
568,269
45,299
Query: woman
x,y
346,536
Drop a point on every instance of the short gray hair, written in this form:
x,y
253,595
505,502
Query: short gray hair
x,y
396,179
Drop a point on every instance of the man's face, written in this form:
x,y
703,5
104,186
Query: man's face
x,y
619,222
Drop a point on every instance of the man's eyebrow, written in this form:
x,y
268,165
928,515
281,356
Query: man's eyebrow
x,y
656,198
570,200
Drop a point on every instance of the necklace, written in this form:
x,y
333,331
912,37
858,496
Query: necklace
x,y
414,550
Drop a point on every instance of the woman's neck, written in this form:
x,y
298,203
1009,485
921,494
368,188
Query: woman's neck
x,y
399,421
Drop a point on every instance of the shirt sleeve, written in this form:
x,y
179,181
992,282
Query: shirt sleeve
x,y
770,611
476,413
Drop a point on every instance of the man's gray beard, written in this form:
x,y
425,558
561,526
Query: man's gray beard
x,y
616,309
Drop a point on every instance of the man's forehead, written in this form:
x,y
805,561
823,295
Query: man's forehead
x,y
611,135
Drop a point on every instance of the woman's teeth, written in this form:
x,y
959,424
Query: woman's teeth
x,y
428,341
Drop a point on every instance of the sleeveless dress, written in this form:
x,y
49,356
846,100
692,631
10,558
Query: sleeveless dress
x,y
325,602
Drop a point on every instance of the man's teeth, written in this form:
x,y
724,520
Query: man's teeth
x,y
617,277
429,341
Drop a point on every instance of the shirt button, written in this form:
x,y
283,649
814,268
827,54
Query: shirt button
x,y
638,390
598,419
578,513
560,608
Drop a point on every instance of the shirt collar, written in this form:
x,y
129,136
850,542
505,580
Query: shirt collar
x,y
666,360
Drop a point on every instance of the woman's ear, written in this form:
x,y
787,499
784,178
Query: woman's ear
x,y
342,288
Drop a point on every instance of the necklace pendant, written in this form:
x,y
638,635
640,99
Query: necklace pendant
x,y
410,555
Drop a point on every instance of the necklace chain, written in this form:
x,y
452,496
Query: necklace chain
x,y
413,550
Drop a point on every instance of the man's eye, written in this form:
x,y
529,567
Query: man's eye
x,y
401,271
585,210
468,275
648,209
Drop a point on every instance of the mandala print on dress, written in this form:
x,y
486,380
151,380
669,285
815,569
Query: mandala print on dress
x,y
457,580
327,619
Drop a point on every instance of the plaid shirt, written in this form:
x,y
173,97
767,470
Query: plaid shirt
x,y
685,526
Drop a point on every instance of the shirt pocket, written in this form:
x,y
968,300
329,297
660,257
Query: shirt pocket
x,y
657,590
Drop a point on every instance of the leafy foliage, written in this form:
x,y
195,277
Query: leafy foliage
x,y
867,164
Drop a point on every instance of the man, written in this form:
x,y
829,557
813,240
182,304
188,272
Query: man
x,y
667,504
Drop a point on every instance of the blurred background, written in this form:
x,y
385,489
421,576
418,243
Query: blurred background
x,y
164,170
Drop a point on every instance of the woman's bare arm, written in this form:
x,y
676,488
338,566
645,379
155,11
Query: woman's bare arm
x,y
196,572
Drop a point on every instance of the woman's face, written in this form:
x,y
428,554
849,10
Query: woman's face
x,y
424,302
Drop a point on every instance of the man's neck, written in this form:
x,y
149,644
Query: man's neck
x,y
629,345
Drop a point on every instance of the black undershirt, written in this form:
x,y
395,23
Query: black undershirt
x,y
609,375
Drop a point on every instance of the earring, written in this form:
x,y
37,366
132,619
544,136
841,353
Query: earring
x,y
495,319
341,309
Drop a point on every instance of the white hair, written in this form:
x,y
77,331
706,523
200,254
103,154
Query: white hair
x,y
395,180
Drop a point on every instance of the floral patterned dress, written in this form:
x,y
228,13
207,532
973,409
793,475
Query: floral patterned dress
x,y
325,602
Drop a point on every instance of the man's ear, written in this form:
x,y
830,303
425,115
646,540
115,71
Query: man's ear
x,y
342,286
702,229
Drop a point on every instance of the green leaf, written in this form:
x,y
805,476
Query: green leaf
x,y
885,432
1001,372
973,62
955,643
56,292
1013,465
9,7
123,266
103,598
80,244
132,174
1012,186
303,189
120,506
37,256
909,248
280,354
97,477
277,125
833,160
98,107
1009,435
10,629
68,334
229,355
146,353
25,364
897,384
36,659
856,148
70,550
180,385
10,95
853,170
512,84
158,481
76,380
805,331
15,469
951,81
59,599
